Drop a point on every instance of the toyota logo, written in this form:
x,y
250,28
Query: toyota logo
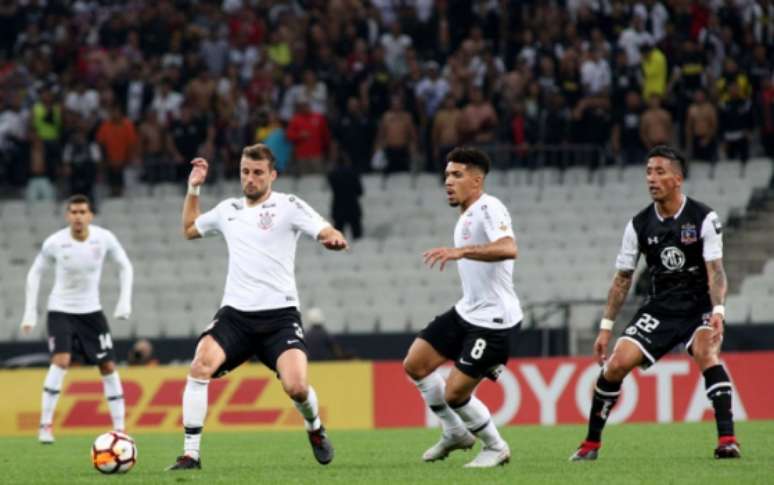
x,y
672,258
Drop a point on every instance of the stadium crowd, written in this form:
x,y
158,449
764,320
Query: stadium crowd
x,y
91,87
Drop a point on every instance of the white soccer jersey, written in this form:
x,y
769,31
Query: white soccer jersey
x,y
261,244
78,269
488,297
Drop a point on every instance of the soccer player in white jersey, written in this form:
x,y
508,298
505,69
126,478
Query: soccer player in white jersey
x,y
259,311
75,319
476,332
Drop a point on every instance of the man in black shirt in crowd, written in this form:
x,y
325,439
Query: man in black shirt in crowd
x,y
683,246
189,137
355,133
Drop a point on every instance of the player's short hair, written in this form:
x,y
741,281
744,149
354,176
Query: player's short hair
x,y
259,151
78,199
470,156
677,159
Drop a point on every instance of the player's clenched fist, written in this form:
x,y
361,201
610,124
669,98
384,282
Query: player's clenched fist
x,y
199,171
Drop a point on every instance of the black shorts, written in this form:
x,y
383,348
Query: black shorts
x,y
476,351
265,334
84,334
656,331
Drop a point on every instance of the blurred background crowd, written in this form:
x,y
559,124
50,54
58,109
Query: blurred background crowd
x,y
98,91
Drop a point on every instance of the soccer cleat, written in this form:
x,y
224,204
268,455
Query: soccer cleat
x,y
447,444
587,451
46,434
728,448
185,462
321,446
490,457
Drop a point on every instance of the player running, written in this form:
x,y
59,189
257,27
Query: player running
x,y
683,247
76,323
259,311
476,332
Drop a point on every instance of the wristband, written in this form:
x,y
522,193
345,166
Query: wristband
x,y
606,324
719,309
194,190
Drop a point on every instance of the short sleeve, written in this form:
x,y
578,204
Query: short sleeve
x,y
630,250
208,224
304,218
497,221
712,237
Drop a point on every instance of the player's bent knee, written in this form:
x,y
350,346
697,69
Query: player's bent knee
x,y
616,370
202,368
297,391
456,397
106,368
415,369
61,361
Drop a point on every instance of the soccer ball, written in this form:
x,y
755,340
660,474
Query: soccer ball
x,y
113,452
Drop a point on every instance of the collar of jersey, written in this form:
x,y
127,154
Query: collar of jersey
x,y
677,214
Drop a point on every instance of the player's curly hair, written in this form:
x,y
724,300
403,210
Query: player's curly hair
x,y
470,156
674,156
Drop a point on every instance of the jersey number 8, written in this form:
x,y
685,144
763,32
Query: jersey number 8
x,y
478,348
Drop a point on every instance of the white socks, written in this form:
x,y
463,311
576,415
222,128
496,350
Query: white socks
x,y
194,412
479,421
52,387
432,389
114,393
309,409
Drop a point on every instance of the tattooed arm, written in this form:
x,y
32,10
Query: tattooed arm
x,y
615,299
717,282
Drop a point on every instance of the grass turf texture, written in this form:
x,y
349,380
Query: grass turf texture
x,y
633,453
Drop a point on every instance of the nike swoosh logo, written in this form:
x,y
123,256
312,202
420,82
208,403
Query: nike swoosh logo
x,y
293,341
231,218
465,362
101,354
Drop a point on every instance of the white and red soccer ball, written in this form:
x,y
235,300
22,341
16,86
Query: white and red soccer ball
x,y
113,452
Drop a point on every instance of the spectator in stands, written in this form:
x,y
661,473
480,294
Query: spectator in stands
x,y
155,160
395,44
766,110
47,131
736,122
83,103
14,139
347,189
188,137
200,92
355,134
445,132
271,132
654,71
397,136
595,74
135,93
479,119
626,142
81,157
320,344
308,132
166,102
656,124
633,38
119,141
701,128
732,76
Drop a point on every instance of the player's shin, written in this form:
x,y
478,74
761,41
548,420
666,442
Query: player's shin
x,y
719,391
52,387
194,412
478,420
309,409
114,394
605,396
432,389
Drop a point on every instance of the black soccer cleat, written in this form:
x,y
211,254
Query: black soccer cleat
x,y
321,446
185,462
728,448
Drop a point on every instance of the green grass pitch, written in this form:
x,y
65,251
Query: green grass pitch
x,y
632,453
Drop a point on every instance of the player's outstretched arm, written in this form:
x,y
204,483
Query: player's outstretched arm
x,y
332,239
191,209
499,250
718,284
30,318
616,296
126,277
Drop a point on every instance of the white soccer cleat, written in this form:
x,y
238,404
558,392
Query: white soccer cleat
x,y
447,444
489,457
46,434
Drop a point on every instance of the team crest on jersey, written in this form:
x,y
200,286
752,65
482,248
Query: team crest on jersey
x,y
688,234
265,220
466,232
